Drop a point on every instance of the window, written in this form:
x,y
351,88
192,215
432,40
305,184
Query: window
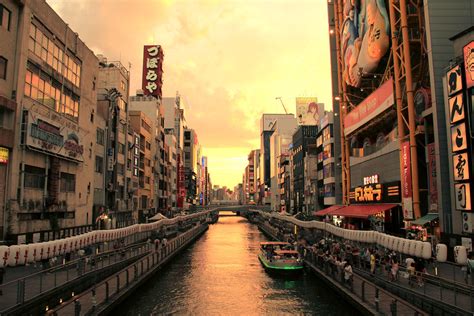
x,y
34,177
129,164
99,164
135,172
5,16
187,156
147,180
121,148
3,67
48,92
120,168
136,151
53,55
148,146
68,182
100,136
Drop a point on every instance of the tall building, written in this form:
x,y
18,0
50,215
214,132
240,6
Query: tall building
x,y
266,124
280,141
47,105
304,136
393,121
141,124
191,148
152,108
111,197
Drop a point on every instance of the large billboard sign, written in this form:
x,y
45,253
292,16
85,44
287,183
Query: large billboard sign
x,y
365,38
468,53
375,104
152,70
308,110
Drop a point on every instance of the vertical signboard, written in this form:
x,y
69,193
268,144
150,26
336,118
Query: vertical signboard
x,y
308,110
152,70
460,140
432,177
407,199
468,53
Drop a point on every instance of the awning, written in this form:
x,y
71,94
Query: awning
x,y
362,210
157,217
327,210
425,219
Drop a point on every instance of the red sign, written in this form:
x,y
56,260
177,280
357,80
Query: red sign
x,y
152,70
469,64
376,103
406,181
432,177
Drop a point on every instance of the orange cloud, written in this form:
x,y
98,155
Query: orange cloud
x,y
228,59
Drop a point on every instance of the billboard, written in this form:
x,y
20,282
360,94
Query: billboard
x,y
152,70
375,104
365,38
468,53
308,111
406,182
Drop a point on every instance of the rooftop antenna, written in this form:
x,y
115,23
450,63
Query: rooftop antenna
x,y
284,108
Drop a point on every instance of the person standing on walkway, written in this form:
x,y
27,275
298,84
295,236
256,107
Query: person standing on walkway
x,y
348,274
470,268
372,262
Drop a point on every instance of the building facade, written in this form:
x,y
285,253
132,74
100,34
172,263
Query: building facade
x,y
49,100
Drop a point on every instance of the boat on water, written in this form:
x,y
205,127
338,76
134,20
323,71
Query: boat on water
x,y
280,257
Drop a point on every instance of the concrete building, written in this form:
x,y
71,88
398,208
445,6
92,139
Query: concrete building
x,y
153,109
171,176
174,120
266,124
282,131
305,135
141,124
112,107
191,148
328,188
47,105
311,179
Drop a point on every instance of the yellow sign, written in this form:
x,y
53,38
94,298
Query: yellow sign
x,y
368,193
3,155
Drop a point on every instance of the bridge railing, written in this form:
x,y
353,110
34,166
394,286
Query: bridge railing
x,y
97,297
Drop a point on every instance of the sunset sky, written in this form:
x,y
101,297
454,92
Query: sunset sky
x,y
228,59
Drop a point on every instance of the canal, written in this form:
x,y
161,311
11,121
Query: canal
x,y
221,275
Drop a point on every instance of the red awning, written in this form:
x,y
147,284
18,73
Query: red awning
x,y
362,210
327,210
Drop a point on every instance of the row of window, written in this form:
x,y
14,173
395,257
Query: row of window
x,y
5,16
54,56
35,178
3,67
47,92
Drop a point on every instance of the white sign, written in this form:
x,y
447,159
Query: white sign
x,y
462,194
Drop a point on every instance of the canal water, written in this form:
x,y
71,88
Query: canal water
x,y
220,275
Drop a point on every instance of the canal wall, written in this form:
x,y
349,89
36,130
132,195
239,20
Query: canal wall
x,y
105,296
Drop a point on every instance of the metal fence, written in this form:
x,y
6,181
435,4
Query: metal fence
x,y
91,301
380,300
20,290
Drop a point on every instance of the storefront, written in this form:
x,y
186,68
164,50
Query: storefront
x,y
425,228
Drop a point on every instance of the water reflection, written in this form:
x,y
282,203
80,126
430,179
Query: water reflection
x,y
221,275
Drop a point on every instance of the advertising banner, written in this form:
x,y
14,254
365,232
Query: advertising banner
x,y
376,193
375,104
433,187
468,53
456,108
3,155
46,135
152,70
459,137
407,194
308,110
454,80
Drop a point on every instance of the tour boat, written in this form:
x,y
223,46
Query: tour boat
x,y
280,257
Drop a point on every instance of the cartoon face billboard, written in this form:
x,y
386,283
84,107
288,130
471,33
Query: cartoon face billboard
x,y
307,111
365,34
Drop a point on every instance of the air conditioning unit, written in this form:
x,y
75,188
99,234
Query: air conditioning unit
x,y
467,222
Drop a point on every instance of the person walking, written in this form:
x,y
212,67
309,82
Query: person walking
x,y
348,274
